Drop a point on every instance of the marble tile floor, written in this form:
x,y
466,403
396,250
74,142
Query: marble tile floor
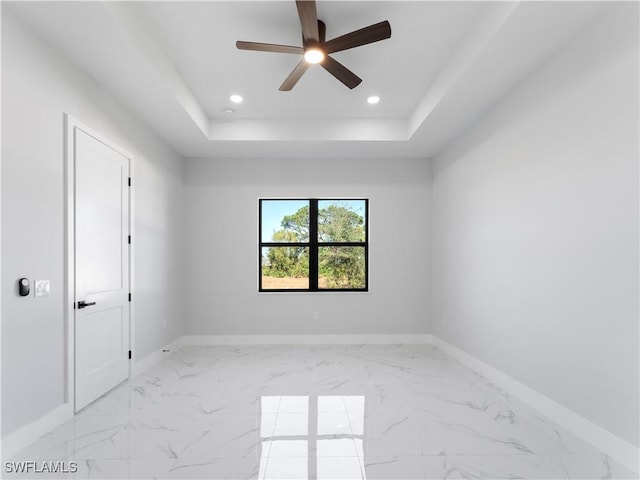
x,y
313,412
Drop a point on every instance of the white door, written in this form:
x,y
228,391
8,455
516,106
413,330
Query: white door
x,y
101,268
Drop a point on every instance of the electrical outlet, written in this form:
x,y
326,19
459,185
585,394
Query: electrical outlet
x,y
42,288
316,315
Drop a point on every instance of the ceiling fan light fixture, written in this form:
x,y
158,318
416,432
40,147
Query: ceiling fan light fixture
x,y
317,50
313,55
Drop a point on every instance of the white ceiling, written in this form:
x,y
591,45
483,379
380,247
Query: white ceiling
x,y
174,65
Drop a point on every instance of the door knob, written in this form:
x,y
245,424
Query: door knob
x,y
83,304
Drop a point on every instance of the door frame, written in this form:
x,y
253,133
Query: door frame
x,y
70,124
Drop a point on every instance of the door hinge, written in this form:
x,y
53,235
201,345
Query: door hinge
x,y
129,296
129,181
129,239
129,354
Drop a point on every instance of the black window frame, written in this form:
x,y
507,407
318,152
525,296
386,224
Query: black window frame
x,y
314,245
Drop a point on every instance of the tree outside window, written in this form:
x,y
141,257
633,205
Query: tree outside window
x,y
313,245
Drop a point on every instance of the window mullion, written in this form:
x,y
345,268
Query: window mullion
x,y
313,244
342,260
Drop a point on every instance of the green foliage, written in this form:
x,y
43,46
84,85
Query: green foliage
x,y
298,224
342,267
339,224
339,266
287,261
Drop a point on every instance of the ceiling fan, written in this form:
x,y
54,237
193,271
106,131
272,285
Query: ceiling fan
x,y
316,49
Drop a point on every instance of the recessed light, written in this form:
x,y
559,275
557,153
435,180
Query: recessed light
x,y
235,98
314,55
229,111
373,99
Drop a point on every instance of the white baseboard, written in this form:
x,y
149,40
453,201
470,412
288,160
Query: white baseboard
x,y
373,339
16,441
614,446
25,436
141,365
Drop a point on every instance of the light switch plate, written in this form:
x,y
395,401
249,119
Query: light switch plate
x,y
42,288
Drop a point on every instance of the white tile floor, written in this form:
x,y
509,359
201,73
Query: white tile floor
x,y
315,412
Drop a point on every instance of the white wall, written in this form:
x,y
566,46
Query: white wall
x,y
535,231
222,259
535,246
38,86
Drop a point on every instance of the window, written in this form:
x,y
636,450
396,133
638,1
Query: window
x,y
313,245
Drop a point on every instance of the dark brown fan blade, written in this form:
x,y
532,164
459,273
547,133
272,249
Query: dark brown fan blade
x,y
364,36
341,72
268,47
322,31
294,76
308,20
